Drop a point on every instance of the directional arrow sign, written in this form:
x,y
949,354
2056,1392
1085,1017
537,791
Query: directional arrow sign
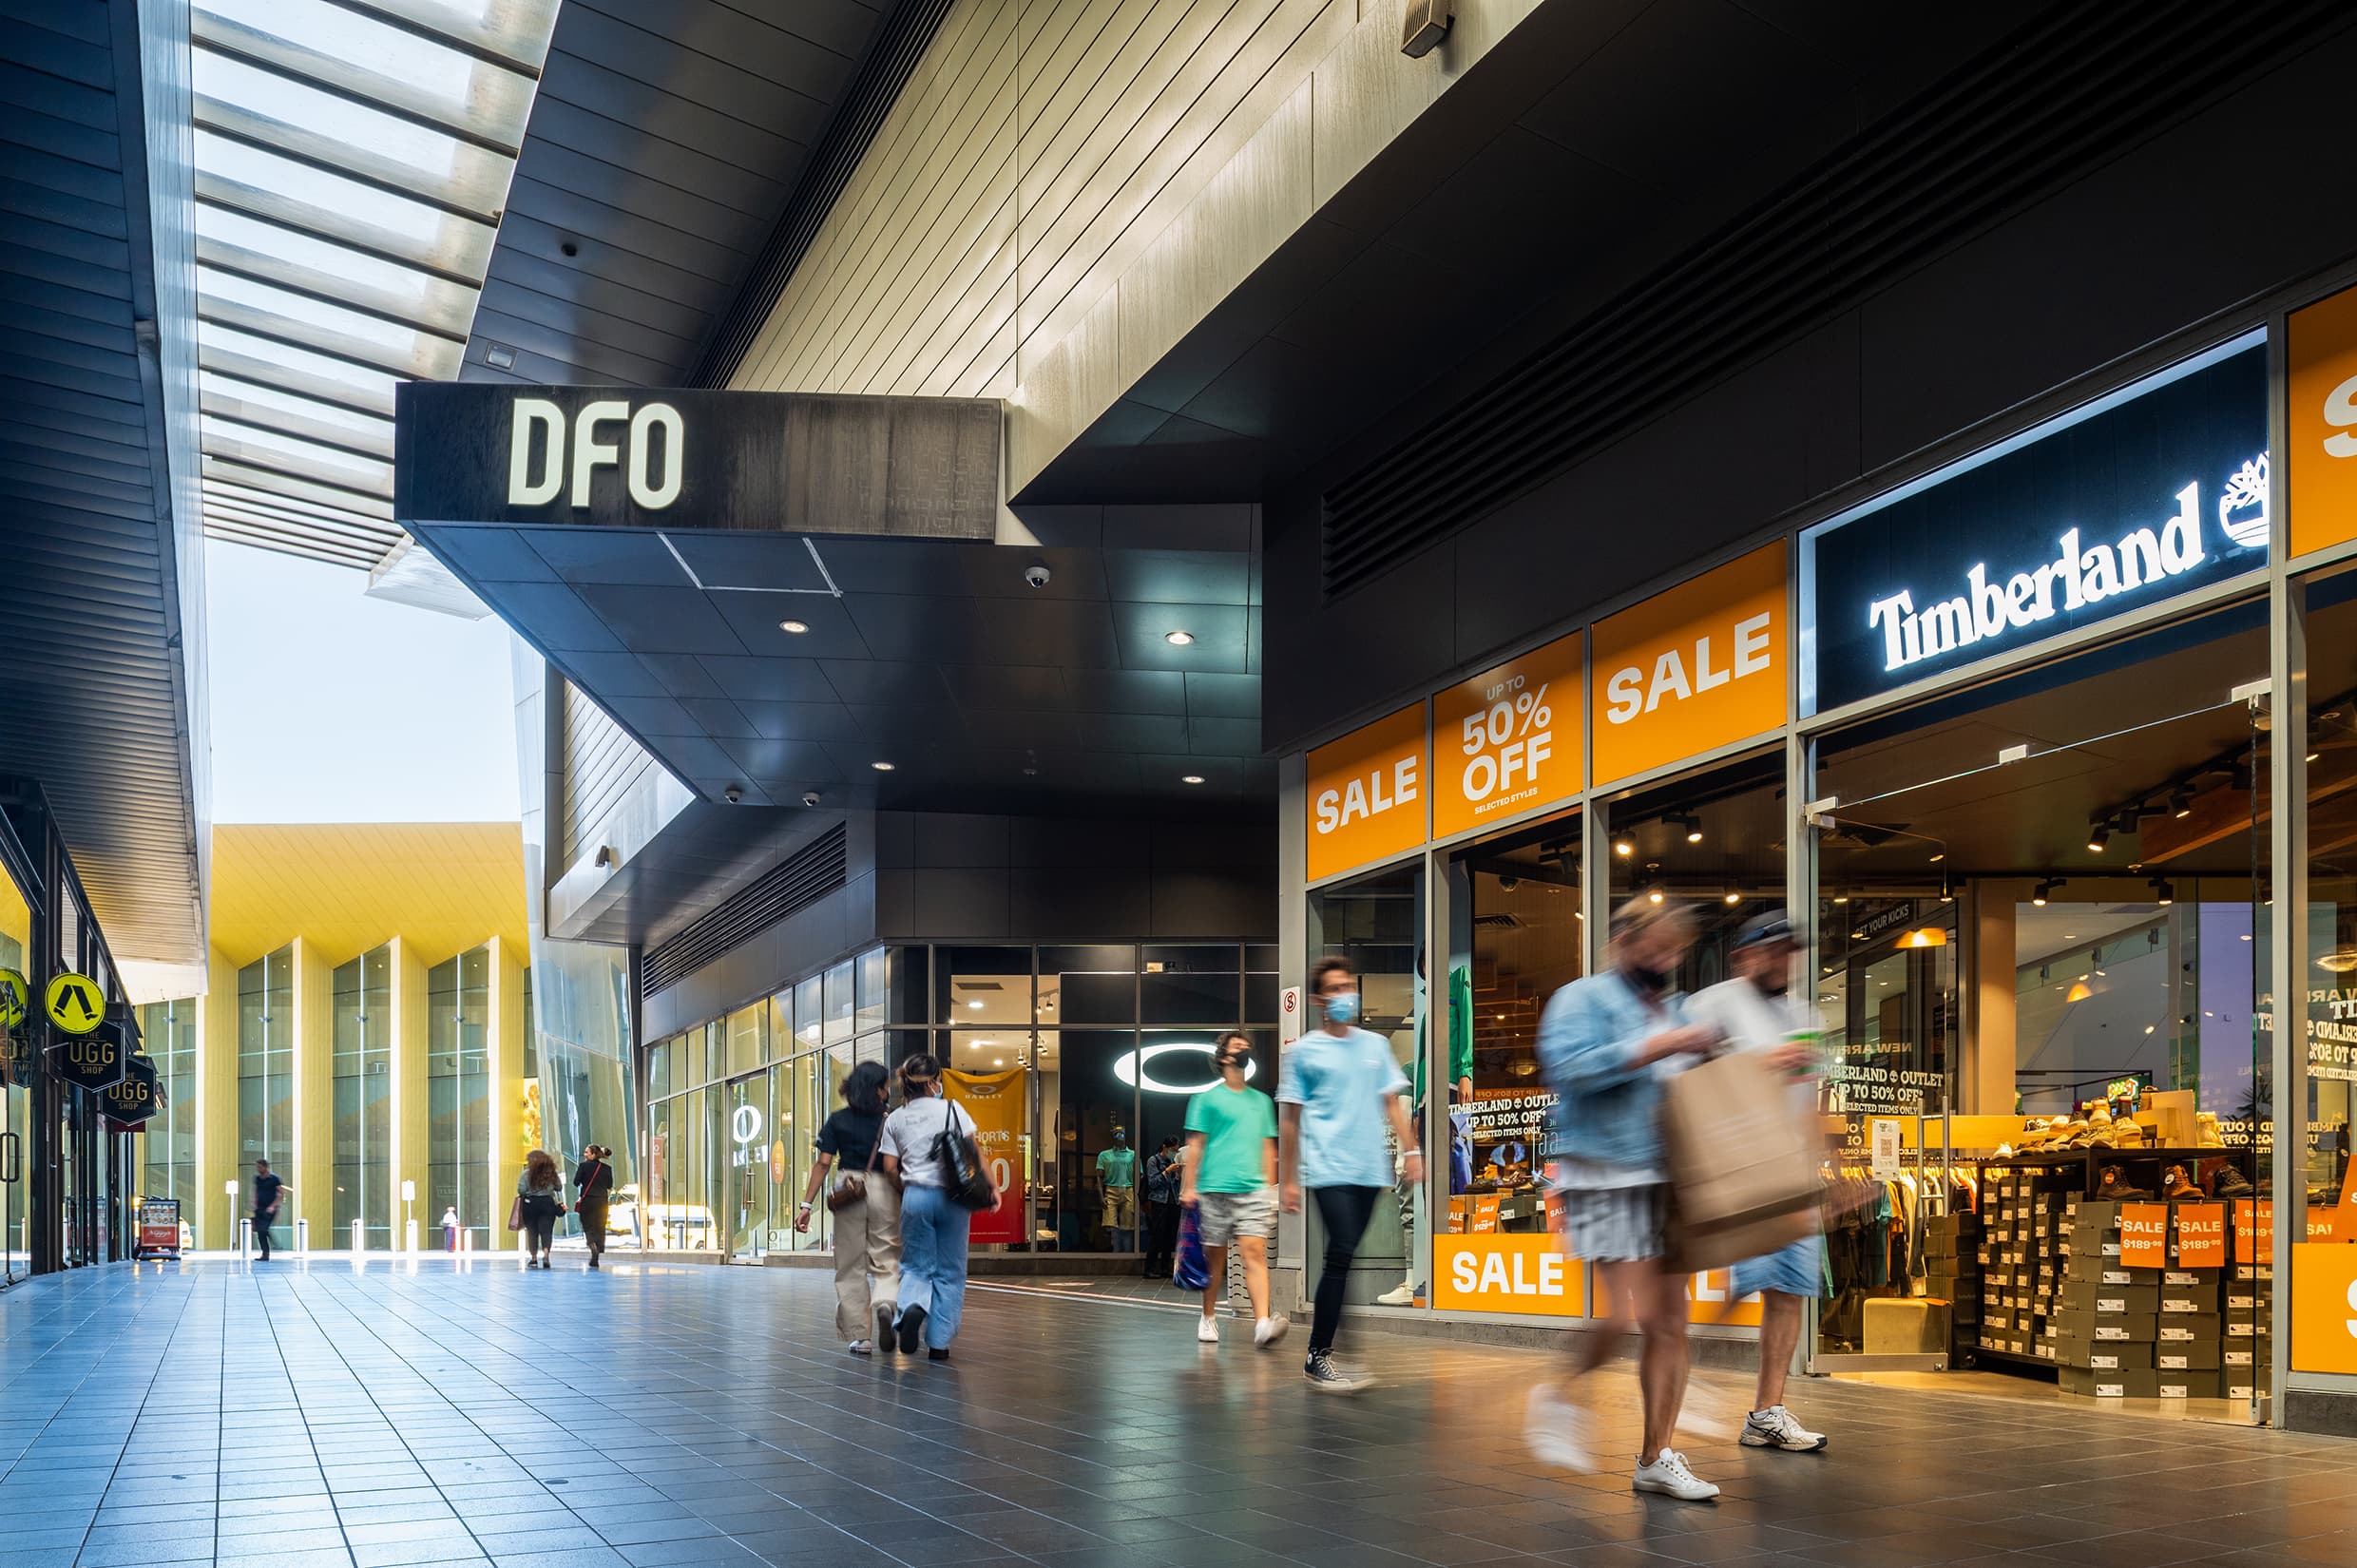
x,y
93,1061
133,1098
75,1004
15,995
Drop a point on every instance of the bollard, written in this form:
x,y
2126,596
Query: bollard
x,y
408,1236
359,1242
245,1239
303,1238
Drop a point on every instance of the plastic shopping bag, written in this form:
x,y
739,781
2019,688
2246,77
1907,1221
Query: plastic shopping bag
x,y
1192,1272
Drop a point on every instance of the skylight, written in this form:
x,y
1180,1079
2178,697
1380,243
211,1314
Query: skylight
x,y
351,162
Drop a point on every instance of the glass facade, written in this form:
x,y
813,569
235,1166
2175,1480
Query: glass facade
x,y
266,1063
460,1173
167,1144
360,1011
1066,1054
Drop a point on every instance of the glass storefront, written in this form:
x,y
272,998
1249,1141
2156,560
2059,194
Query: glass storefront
x,y
459,1171
266,1063
360,1009
167,1143
1074,1060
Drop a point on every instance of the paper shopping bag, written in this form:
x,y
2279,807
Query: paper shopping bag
x,y
1743,1168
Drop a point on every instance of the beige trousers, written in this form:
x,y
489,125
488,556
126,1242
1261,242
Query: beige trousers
x,y
867,1259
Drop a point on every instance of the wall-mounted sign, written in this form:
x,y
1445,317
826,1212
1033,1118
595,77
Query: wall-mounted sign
x,y
1175,1067
74,1002
2323,1307
2142,495
996,1102
1507,741
1695,667
628,457
16,997
1367,797
2320,423
1885,1135
132,1099
91,1062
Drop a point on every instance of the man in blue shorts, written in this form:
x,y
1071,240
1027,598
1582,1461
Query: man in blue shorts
x,y
1757,1011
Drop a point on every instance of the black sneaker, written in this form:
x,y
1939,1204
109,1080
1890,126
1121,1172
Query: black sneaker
x,y
887,1332
1327,1378
937,1355
912,1330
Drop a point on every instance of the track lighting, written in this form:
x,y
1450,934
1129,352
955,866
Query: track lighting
x,y
1690,824
2181,802
2163,893
1948,890
2044,891
2098,836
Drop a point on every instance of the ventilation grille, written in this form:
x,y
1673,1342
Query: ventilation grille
x,y
794,885
902,42
2067,93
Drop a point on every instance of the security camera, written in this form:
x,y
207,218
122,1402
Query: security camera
x,y
732,794
809,797
1036,576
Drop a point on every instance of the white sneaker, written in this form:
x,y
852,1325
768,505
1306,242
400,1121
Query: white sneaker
x,y
860,1348
1404,1295
1669,1475
1269,1330
1207,1329
1775,1428
1556,1431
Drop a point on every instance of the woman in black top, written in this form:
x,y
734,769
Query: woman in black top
x,y
867,1229
593,1189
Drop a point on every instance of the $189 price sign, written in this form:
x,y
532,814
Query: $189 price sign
x,y
1502,750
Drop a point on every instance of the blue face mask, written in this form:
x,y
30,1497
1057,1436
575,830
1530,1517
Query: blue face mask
x,y
1342,1008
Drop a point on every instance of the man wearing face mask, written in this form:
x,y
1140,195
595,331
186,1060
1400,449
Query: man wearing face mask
x,y
1230,1183
1336,1089
1757,1011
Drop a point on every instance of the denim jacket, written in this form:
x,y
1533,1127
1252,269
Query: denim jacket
x,y
1608,1107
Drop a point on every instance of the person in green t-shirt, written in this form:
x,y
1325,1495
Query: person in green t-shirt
x,y
1230,1183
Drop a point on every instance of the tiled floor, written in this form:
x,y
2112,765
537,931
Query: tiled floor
x,y
657,1415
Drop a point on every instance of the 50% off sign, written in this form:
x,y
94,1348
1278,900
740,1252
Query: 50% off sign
x,y
1509,756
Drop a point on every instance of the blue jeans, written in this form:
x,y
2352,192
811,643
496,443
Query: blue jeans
x,y
933,1261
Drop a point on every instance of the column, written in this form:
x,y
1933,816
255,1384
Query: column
x,y
409,1096
505,1038
315,1097
213,1213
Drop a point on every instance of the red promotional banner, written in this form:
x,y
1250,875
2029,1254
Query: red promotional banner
x,y
2201,1235
996,1102
2254,1231
2143,1235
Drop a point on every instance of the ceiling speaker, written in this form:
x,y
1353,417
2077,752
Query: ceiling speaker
x,y
1427,24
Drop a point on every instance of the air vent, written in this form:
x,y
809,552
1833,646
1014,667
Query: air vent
x,y
2065,95
907,33
1498,922
792,886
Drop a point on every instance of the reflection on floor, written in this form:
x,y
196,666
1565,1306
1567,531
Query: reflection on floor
x,y
2038,1391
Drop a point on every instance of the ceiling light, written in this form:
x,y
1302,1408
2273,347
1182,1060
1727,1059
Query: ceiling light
x,y
998,1062
881,767
2078,992
1178,639
1734,898
1841,898
1622,846
2163,893
1938,855
1948,888
975,1005
1654,896
2181,802
2313,755
2044,891
1192,778
1926,936
2339,962
2098,836
1692,824
796,627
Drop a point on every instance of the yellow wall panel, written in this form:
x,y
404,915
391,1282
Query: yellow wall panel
x,y
509,1138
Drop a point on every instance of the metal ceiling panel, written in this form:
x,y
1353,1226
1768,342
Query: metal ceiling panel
x,y
100,690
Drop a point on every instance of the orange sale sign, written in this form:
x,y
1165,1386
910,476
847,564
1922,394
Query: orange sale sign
x,y
2144,1235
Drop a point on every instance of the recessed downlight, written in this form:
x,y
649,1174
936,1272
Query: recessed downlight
x,y
796,627
1192,778
1178,639
881,767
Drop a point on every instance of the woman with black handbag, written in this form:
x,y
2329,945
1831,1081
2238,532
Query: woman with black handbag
x,y
593,1190
866,1209
539,1198
929,1149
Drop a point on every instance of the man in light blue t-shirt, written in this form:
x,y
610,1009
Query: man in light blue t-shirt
x,y
1338,1086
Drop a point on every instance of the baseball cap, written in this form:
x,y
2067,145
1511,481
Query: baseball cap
x,y
1764,929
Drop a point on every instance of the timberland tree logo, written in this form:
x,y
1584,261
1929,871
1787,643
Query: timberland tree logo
x,y
2082,574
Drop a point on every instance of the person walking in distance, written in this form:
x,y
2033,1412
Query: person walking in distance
x,y
539,1200
269,1192
1606,1043
1757,1011
867,1213
933,1229
1338,1086
1162,1209
593,1190
1230,1182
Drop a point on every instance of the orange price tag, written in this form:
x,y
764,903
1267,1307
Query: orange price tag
x,y
2201,1235
2143,1235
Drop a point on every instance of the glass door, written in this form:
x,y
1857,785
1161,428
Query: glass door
x,y
745,1128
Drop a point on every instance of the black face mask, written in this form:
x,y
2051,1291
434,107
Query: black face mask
x,y
1776,983
1646,978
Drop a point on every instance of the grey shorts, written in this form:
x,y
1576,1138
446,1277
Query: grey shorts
x,y
1617,1224
1225,1217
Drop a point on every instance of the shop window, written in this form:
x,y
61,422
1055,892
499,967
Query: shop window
x,y
1519,937
1263,988
266,1063
169,1141
1092,1075
658,1059
1377,921
983,986
746,1131
806,1026
836,1026
360,1008
1088,984
748,1039
1190,985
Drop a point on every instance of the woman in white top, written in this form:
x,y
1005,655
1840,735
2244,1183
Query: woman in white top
x,y
932,1227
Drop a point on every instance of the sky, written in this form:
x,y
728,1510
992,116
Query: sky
x,y
330,706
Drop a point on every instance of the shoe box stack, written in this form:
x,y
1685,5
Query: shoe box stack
x,y
2143,1333
2246,1306
2020,1264
1952,1272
